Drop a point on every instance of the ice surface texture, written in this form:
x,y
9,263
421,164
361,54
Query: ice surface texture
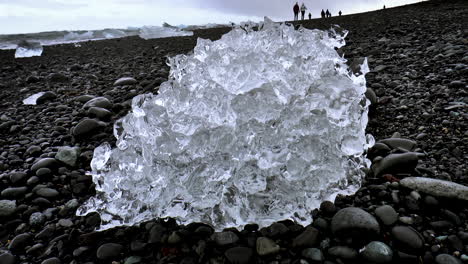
x,y
258,126
28,49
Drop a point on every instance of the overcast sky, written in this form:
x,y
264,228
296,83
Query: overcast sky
x,y
24,16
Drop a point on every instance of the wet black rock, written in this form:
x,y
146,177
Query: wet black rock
x,y
355,222
313,254
87,126
101,113
386,214
47,96
125,81
266,246
308,238
49,163
225,238
408,239
18,177
328,208
109,251
47,192
446,259
58,78
51,261
239,255
7,258
377,252
101,102
7,207
396,163
19,242
14,192
343,252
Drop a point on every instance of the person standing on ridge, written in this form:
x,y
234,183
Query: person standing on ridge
x,y
303,9
323,14
339,13
310,16
328,13
296,11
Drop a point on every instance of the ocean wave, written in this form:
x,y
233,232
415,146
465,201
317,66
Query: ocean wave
x,y
62,37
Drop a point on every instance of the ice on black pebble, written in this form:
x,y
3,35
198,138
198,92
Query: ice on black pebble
x,y
28,49
259,126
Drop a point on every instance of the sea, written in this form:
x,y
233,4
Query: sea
x,y
11,41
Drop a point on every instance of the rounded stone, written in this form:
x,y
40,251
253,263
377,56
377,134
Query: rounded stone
x,y
68,155
45,97
14,192
354,221
328,207
44,163
84,98
20,242
47,192
51,261
125,81
343,252
7,207
7,258
370,94
17,177
57,77
396,163
386,214
436,187
101,102
266,246
446,259
42,172
36,219
377,252
239,255
99,112
409,239
225,238
308,238
87,126
313,254
109,251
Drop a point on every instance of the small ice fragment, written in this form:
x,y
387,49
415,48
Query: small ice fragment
x,y
32,100
152,32
28,49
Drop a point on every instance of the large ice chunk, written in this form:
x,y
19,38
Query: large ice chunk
x,y
259,126
28,49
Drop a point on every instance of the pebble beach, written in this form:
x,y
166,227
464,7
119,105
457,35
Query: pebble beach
x,y
412,206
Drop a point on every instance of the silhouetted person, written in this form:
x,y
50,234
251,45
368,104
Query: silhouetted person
x,y
339,13
296,11
303,9
310,16
384,7
323,14
328,13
